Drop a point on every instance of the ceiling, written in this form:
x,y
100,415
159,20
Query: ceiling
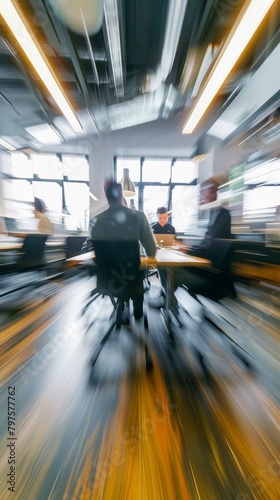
x,y
155,83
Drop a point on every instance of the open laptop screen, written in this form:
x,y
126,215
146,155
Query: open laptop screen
x,y
165,240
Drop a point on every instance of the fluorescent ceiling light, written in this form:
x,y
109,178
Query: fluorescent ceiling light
x,y
114,41
243,29
23,34
44,133
7,145
175,18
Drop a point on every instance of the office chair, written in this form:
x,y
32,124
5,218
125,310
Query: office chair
x,y
31,258
119,276
73,246
216,283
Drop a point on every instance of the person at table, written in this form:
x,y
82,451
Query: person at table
x,y
44,226
219,226
121,223
162,225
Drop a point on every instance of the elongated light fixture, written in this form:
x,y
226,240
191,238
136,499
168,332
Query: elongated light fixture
x,y
128,188
6,145
242,31
22,32
114,42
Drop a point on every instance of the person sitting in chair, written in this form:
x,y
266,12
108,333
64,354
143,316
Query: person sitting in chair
x,y
162,226
120,223
45,226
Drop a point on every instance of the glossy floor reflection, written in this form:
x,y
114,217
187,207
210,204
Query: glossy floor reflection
x,y
201,425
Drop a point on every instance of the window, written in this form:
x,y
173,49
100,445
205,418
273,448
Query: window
x,y
47,166
154,197
156,170
76,201
169,182
185,201
184,171
21,166
42,176
75,168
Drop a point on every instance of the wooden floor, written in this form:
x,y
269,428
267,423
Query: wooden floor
x,y
204,424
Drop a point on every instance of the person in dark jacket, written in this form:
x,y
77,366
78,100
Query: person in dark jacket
x,y
162,226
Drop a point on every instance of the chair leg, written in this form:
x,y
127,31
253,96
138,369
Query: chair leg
x,y
93,296
98,349
142,329
149,361
120,308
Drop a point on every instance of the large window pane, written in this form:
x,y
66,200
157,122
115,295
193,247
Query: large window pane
x,y
156,170
133,164
19,204
77,205
47,166
21,165
184,171
75,167
185,201
154,197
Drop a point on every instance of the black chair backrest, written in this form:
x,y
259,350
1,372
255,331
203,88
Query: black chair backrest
x,y
74,246
33,251
119,271
220,252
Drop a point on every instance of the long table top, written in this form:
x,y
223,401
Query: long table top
x,y
165,257
6,246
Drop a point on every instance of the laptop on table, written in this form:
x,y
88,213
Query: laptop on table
x,y
165,240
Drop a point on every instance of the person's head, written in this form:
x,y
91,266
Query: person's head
x,y
113,193
162,215
39,205
208,192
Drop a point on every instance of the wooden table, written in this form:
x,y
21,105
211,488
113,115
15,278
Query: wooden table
x,y
165,258
6,246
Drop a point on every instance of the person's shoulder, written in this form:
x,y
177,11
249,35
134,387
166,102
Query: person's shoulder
x,y
138,214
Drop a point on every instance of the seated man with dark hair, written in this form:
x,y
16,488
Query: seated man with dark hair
x,y
162,226
120,224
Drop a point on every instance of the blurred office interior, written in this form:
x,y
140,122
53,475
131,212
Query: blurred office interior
x,y
178,92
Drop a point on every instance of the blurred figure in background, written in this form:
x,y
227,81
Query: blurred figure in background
x,y
219,225
45,226
3,228
277,213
